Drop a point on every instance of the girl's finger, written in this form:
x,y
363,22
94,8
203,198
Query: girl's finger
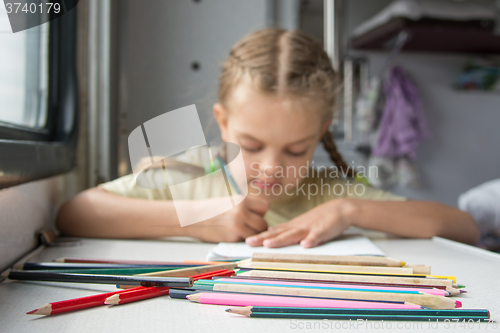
x,y
313,238
257,240
288,237
257,206
256,222
243,229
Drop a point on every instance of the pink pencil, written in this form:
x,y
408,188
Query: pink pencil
x,y
437,292
260,300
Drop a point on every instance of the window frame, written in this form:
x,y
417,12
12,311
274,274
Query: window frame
x,y
28,154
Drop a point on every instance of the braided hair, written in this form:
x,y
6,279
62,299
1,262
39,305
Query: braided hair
x,y
287,63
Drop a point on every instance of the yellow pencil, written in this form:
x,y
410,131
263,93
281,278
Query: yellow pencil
x,y
327,259
363,270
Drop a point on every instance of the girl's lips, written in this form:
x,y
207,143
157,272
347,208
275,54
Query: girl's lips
x,y
263,183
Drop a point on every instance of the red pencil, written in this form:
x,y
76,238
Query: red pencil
x,y
136,295
77,303
150,292
221,273
96,300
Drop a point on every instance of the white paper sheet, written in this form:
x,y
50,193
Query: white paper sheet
x,y
355,245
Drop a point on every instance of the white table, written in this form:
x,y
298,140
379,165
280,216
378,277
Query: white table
x,y
477,269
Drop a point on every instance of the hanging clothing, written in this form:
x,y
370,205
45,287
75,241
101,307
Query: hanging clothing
x,y
403,124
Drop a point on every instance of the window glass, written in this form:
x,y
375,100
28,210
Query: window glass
x,y
23,74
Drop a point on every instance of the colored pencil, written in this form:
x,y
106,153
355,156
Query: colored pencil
x,y
205,275
451,291
437,292
192,271
328,259
429,301
73,266
419,269
221,273
483,313
136,295
147,281
96,300
181,293
75,304
206,262
324,268
238,299
227,173
343,278
111,271
133,262
346,269
353,316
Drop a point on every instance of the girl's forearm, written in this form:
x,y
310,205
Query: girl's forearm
x,y
420,219
97,213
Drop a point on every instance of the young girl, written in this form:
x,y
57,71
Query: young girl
x,y
276,96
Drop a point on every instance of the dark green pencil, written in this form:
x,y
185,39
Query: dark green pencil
x,y
147,281
462,312
113,271
355,314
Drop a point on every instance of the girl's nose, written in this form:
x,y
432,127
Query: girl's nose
x,y
270,165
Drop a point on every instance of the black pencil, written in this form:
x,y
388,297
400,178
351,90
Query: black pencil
x,y
147,281
181,293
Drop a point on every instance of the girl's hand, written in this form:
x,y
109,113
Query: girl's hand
x,y
244,220
319,225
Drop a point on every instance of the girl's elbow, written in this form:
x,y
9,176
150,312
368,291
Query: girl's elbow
x,y
73,212
62,218
465,232
474,234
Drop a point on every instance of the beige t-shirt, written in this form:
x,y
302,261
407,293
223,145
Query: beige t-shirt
x,y
317,188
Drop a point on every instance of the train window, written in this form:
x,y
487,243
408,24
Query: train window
x,y
38,99
23,74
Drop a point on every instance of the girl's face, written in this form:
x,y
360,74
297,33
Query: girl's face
x,y
277,137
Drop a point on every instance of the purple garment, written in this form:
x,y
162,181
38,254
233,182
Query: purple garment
x,y
403,122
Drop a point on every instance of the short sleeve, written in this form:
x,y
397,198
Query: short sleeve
x,y
364,191
127,187
153,179
332,186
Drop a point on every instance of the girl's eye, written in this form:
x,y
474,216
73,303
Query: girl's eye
x,y
297,154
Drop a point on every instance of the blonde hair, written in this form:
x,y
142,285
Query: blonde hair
x,y
287,63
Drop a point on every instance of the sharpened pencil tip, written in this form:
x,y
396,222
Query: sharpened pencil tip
x,y
403,263
458,304
228,310
463,291
32,311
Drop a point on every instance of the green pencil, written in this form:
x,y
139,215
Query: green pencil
x,y
411,312
113,271
355,314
